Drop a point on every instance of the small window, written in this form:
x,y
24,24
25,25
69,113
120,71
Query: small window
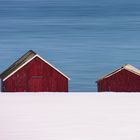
x,y
37,76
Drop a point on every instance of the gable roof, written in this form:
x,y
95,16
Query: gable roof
x,y
25,59
127,67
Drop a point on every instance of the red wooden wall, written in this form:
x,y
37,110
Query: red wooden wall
x,y
36,76
123,81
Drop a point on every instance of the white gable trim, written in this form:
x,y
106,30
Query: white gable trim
x,y
135,72
110,74
126,67
53,66
30,61
131,69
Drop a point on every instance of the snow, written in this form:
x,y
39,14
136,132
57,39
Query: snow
x,y
70,116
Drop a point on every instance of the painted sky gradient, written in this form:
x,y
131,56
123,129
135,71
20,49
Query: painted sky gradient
x,y
84,39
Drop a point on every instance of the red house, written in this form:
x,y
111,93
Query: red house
x,y
124,79
31,73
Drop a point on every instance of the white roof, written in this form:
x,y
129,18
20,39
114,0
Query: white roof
x,y
126,67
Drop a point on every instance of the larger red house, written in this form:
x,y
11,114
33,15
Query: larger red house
x,y
31,73
124,79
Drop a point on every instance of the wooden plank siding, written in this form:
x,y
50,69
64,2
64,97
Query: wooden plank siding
x,y
122,81
36,76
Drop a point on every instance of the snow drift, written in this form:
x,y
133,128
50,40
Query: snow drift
x,y
72,116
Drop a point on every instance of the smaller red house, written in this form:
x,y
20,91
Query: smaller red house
x,y
124,79
32,73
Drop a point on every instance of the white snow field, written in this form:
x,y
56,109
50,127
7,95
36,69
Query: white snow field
x,y
70,116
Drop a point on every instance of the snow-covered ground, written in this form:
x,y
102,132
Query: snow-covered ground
x,y
72,116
